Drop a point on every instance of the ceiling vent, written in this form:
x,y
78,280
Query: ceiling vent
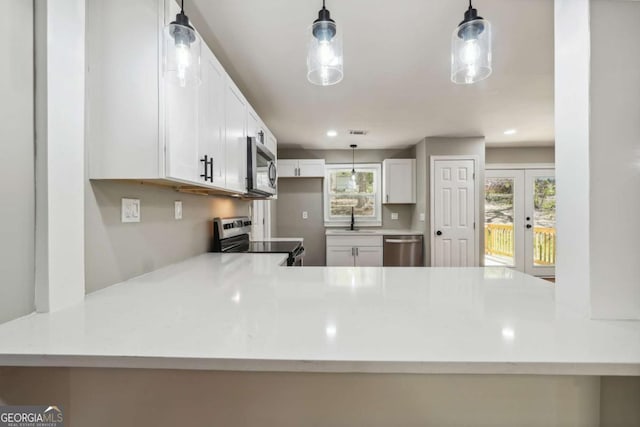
x,y
358,132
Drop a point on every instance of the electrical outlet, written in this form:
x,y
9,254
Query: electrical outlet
x,y
394,215
177,209
422,216
130,210
305,215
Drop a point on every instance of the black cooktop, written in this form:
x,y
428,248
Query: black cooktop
x,y
267,247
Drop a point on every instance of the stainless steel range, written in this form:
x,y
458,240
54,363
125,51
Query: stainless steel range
x,y
231,235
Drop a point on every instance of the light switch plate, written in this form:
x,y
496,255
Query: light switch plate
x,y
305,215
394,215
130,210
177,209
421,216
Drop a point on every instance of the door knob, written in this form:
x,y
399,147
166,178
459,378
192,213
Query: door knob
x,y
528,225
438,233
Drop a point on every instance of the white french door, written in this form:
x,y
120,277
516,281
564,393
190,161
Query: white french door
x,y
453,213
520,220
540,222
504,218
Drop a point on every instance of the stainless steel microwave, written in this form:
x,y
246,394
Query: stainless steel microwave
x,y
261,169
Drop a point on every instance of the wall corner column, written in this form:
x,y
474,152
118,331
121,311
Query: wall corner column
x,y
60,158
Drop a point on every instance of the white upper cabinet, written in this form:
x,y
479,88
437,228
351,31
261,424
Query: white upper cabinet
x,y
253,124
140,127
272,143
211,140
123,56
181,125
258,130
287,168
301,168
311,168
399,181
235,107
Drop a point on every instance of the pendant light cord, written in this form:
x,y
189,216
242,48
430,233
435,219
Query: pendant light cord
x,y
182,6
470,6
353,159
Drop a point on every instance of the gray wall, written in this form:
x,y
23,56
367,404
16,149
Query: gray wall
x,y
296,195
17,224
520,155
444,146
115,251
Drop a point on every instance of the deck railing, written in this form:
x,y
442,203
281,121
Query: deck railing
x,y
499,240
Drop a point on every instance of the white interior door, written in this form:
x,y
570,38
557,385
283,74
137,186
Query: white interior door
x,y
453,213
540,222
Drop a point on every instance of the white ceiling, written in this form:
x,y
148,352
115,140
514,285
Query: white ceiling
x,y
396,64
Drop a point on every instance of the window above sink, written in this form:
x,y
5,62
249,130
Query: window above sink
x,y
360,192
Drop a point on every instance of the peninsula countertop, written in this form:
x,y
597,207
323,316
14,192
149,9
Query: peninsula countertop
x,y
366,231
247,312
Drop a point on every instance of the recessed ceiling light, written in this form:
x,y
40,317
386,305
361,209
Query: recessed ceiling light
x,y
510,131
332,133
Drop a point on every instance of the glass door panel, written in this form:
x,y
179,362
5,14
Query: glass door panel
x,y
540,222
499,241
503,241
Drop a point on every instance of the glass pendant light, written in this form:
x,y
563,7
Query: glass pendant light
x,y
471,49
324,58
182,51
353,165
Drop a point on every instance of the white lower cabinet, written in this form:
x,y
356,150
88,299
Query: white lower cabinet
x,y
354,251
340,257
368,256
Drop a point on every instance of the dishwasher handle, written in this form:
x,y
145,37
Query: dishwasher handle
x,y
402,241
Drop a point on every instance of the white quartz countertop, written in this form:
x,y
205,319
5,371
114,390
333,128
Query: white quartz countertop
x,y
364,231
245,312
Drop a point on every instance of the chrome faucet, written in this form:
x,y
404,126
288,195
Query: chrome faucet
x,y
353,220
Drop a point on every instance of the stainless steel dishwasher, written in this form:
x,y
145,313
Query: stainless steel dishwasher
x,y
403,251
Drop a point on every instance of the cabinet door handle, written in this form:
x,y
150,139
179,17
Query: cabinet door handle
x,y
387,198
353,251
206,161
211,169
